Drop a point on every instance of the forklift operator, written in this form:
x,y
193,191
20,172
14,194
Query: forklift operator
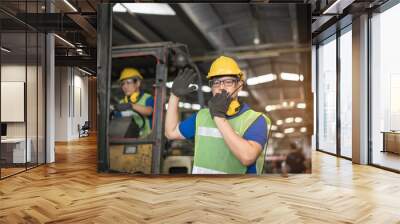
x,y
230,138
135,100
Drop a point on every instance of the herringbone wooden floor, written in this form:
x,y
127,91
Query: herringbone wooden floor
x,y
71,191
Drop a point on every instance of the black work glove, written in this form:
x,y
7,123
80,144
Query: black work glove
x,y
185,77
219,104
123,106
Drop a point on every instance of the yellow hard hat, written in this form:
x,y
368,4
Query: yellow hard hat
x,y
128,73
224,66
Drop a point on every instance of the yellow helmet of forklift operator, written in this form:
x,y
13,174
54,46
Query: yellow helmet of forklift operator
x,y
129,73
225,66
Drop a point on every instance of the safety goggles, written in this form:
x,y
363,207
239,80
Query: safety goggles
x,y
226,82
128,81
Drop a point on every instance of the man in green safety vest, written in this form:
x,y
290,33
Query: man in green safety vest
x,y
135,101
230,138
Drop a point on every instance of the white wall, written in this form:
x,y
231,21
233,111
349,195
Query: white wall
x,y
17,73
80,112
61,103
14,73
71,94
33,126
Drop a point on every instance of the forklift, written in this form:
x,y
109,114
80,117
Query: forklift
x,y
120,146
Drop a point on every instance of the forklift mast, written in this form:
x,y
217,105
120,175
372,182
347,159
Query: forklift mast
x,y
161,51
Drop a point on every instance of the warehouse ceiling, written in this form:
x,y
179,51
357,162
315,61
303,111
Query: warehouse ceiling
x,y
265,39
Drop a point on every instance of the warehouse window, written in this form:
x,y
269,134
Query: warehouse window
x,y
385,88
327,95
346,92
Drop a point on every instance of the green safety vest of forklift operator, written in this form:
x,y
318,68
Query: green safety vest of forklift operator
x,y
135,100
230,137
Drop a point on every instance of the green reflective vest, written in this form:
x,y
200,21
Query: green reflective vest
x,y
212,155
136,118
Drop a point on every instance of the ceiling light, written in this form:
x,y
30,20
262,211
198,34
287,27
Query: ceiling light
x,y
269,108
169,84
79,51
243,93
274,127
261,79
278,135
146,8
303,129
289,120
279,122
196,106
180,105
301,105
65,41
331,7
119,8
256,40
298,119
291,104
84,71
290,76
206,89
187,105
70,5
5,50
301,77
288,130
338,6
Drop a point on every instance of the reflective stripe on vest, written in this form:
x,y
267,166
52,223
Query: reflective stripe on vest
x,y
146,128
209,132
201,170
211,154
